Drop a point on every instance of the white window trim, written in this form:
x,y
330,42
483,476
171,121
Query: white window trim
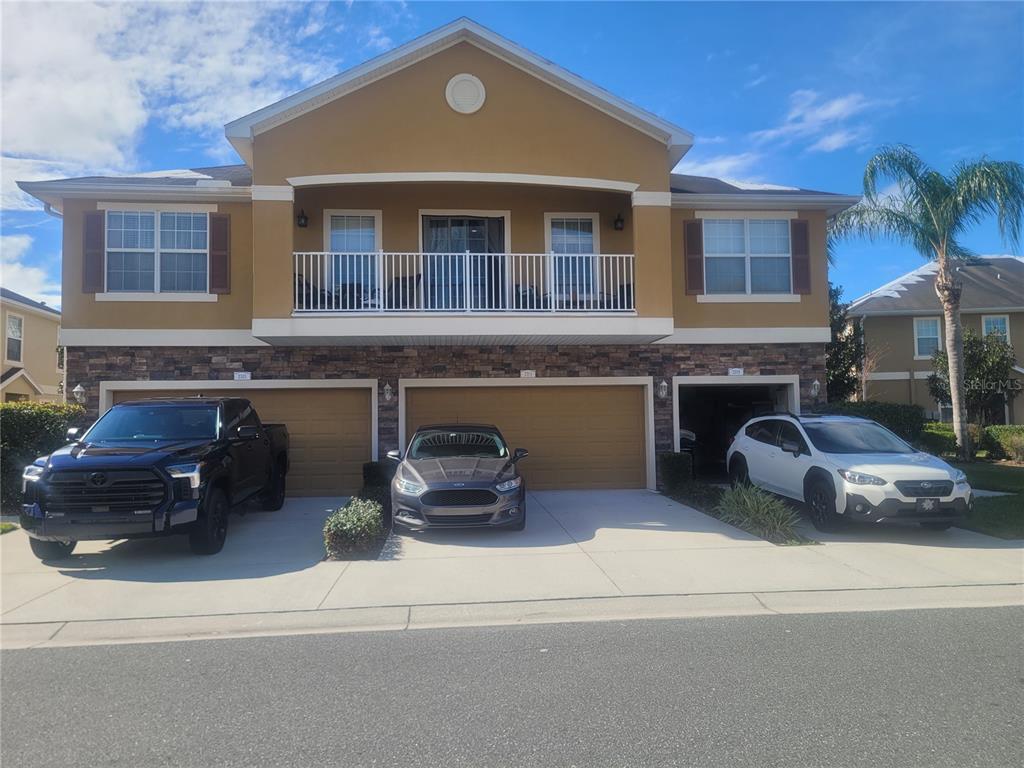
x,y
595,221
506,215
748,298
748,295
7,346
378,224
993,317
156,294
745,215
917,321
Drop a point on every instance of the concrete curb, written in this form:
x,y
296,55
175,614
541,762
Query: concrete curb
x,y
397,618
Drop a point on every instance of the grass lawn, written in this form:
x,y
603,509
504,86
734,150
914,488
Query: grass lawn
x,y
993,476
7,527
1001,516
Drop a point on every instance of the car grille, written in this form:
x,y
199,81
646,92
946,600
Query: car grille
x,y
469,497
931,488
458,519
119,492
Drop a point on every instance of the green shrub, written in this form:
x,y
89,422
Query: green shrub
x,y
907,421
356,527
674,469
378,474
28,431
703,497
937,438
1005,441
759,513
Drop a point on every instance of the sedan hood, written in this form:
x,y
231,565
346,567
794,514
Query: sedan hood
x,y
461,469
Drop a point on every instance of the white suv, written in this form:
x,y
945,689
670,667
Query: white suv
x,y
846,468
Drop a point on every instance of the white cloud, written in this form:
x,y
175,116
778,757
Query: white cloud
x,y
377,40
719,166
834,140
21,278
825,123
755,81
14,169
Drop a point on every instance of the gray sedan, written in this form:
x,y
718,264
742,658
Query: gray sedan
x,y
458,476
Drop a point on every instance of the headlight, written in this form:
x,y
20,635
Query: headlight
x,y
960,477
408,487
509,485
190,472
30,474
860,478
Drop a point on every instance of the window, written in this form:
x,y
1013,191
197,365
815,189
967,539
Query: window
x,y
789,432
764,431
175,262
997,325
573,239
15,337
354,238
926,337
747,256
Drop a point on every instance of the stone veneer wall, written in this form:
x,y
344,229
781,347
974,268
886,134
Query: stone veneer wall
x,y
89,366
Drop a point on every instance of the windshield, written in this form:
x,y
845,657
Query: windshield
x,y
443,444
156,423
854,437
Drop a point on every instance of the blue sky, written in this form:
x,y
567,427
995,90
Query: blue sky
x,y
789,93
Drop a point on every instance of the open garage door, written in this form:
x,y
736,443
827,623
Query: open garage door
x,y
330,431
578,436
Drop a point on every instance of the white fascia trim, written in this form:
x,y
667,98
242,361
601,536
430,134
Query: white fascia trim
x,y
748,298
156,297
53,192
738,214
241,131
30,310
1018,369
889,376
108,388
158,337
23,374
647,382
158,207
791,380
474,177
660,199
280,193
931,312
831,204
788,335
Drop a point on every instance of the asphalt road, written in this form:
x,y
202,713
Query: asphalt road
x,y
914,688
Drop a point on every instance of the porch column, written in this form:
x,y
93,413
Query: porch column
x,y
273,236
652,245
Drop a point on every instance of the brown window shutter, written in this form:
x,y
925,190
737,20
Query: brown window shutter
x,y
800,243
693,246
92,253
220,253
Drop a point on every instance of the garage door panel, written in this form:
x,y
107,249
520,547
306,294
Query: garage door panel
x,y
578,436
329,430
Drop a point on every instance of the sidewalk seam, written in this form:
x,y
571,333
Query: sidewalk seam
x,y
330,588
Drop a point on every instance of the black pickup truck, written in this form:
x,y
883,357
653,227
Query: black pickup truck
x,y
155,467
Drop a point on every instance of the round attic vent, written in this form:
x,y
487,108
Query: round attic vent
x,y
465,93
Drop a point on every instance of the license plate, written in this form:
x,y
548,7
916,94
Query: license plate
x,y
927,505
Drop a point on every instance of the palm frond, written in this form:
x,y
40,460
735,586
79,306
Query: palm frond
x,y
986,188
897,162
885,220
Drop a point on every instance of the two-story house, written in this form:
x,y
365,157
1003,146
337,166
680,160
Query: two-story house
x,y
455,230
33,367
903,327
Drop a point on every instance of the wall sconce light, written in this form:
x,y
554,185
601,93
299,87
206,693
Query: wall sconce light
x,y
619,223
302,219
79,393
662,389
388,392
815,388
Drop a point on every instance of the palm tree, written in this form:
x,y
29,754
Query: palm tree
x,y
930,211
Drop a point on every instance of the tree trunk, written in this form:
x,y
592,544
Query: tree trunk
x,y
948,290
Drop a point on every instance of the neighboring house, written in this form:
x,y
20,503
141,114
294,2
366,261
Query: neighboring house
x,y
32,364
455,230
903,326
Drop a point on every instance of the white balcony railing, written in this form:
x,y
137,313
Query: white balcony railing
x,y
374,283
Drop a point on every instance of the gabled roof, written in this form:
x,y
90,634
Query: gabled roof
x,y
8,295
240,132
989,283
11,375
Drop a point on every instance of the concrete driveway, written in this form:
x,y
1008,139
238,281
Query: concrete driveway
x,y
577,545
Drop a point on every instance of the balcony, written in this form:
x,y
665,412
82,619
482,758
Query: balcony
x,y
462,283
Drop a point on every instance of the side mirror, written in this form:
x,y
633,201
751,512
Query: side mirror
x,y
247,432
72,434
519,454
394,455
790,446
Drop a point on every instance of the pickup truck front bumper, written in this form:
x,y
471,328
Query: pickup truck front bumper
x,y
93,526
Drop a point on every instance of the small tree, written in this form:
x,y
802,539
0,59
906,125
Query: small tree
x,y
844,355
988,363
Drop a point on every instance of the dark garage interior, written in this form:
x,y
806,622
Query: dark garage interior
x,y
714,413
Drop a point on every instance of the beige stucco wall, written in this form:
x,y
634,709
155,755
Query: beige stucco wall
x,y
402,122
232,310
810,312
39,349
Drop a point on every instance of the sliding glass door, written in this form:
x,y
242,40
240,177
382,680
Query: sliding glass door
x,y
462,262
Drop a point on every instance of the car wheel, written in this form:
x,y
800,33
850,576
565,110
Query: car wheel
x,y
272,498
738,474
821,503
211,529
937,526
51,550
